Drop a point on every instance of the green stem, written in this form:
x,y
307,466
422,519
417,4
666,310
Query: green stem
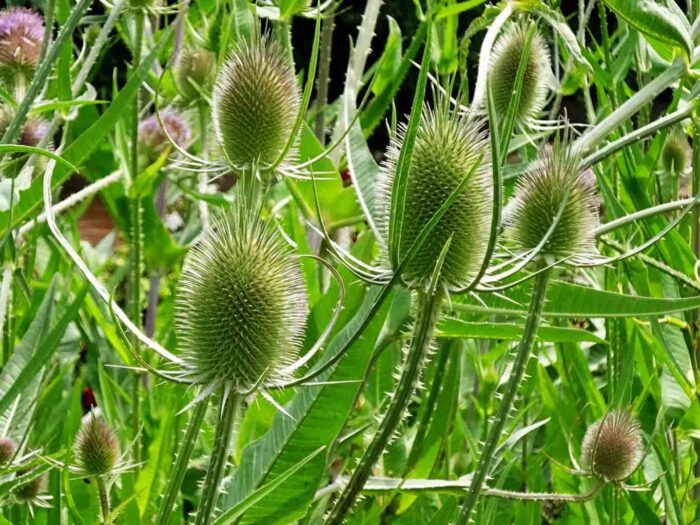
x,y
217,464
322,80
426,318
104,501
695,239
177,475
516,376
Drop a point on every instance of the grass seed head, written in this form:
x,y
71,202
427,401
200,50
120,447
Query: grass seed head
x,y
448,146
675,153
194,73
21,38
612,446
505,60
7,450
96,447
552,181
241,303
256,100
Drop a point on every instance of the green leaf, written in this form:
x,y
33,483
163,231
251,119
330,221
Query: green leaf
x,y
661,20
458,329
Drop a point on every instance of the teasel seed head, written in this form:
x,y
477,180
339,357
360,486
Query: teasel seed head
x,y
256,101
194,73
241,304
612,447
675,153
32,489
33,132
448,146
96,447
505,60
152,138
554,180
7,450
21,38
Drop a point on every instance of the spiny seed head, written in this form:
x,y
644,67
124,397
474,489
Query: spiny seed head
x,y
96,447
33,132
30,490
21,37
256,100
554,180
7,450
505,60
194,73
153,139
448,147
241,303
675,152
612,446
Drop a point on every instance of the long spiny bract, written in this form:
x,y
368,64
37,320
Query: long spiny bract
x,y
448,146
241,305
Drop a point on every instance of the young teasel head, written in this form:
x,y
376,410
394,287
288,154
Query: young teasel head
x,y
96,447
33,133
256,101
241,304
676,152
153,139
554,189
503,71
194,73
8,447
612,447
21,38
449,146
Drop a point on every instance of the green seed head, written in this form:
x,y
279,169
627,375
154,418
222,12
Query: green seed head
x,y
7,450
241,303
552,182
30,490
505,60
675,153
448,147
256,100
96,447
194,73
612,446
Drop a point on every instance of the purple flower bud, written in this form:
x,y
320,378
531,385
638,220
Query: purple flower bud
x,y
21,37
152,137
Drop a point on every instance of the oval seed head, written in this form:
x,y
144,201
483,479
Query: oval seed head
x,y
194,73
7,450
448,147
21,38
256,100
96,447
241,303
612,446
675,152
32,489
153,140
33,132
554,181
505,60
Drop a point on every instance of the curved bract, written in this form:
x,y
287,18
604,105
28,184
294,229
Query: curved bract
x,y
256,100
554,188
448,147
241,304
505,61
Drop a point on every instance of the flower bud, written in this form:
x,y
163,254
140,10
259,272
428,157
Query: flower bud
x,y
448,147
241,303
21,38
96,447
552,181
7,450
31,489
153,140
256,101
675,153
194,73
612,446
505,61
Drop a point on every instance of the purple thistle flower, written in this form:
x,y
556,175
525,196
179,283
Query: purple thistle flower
x,y
21,37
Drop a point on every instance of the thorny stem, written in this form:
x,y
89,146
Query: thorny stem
x,y
104,501
322,80
516,375
426,318
217,464
695,239
167,505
